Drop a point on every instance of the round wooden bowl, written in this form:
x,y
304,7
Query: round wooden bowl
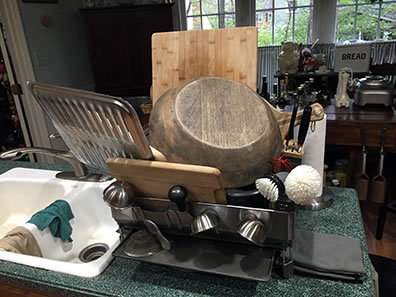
x,y
216,122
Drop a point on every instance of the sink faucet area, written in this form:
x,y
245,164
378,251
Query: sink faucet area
x,y
24,192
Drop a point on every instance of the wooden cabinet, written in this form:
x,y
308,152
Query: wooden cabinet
x,y
119,42
343,139
343,125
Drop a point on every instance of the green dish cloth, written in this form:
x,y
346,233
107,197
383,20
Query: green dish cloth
x,y
56,216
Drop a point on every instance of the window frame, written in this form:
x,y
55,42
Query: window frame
x,y
245,15
293,10
220,15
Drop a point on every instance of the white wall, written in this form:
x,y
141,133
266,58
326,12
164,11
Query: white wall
x,y
61,48
63,41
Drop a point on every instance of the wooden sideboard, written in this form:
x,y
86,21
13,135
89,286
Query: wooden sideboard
x,y
343,133
343,125
119,42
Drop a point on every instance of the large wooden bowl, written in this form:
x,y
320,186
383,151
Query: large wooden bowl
x,y
216,122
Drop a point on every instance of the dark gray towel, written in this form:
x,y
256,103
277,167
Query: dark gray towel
x,y
328,255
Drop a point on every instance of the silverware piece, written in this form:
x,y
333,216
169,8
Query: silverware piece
x,y
119,195
205,221
253,229
153,229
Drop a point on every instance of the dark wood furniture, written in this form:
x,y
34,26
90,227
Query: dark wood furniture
x,y
389,206
343,132
119,42
8,290
343,125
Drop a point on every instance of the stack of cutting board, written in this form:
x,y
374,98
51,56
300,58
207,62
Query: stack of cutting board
x,y
184,55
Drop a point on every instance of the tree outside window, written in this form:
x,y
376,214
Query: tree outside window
x,y
210,14
282,20
366,20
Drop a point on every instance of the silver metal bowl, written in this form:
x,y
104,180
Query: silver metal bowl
x,y
205,221
119,195
253,229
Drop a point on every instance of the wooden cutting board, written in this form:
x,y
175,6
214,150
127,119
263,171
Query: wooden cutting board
x,y
184,55
154,179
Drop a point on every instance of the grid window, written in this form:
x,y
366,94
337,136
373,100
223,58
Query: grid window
x,y
281,20
210,14
366,20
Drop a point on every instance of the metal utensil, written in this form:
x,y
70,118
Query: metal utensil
x,y
205,221
119,195
141,244
153,229
314,44
253,229
379,183
93,126
362,180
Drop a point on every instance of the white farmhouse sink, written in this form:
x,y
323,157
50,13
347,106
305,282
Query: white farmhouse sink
x,y
23,192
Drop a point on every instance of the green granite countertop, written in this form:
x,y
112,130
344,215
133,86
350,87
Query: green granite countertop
x,y
126,277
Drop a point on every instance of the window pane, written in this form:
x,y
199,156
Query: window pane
x,y
210,22
264,24
229,20
346,1
387,22
303,2
345,21
282,3
283,25
302,25
366,23
193,23
263,4
209,7
365,1
229,5
264,17
193,7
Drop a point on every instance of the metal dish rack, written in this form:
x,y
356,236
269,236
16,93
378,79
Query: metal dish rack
x,y
96,127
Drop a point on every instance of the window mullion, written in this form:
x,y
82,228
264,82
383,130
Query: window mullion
x,y
182,14
378,21
294,14
354,23
200,13
273,22
218,13
221,13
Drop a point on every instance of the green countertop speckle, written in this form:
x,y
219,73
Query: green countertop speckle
x,y
126,277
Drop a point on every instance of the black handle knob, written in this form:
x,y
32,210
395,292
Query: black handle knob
x,y
304,124
178,194
284,203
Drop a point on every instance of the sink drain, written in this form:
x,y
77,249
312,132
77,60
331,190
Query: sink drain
x,y
93,252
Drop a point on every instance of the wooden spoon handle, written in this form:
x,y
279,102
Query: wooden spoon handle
x,y
283,118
